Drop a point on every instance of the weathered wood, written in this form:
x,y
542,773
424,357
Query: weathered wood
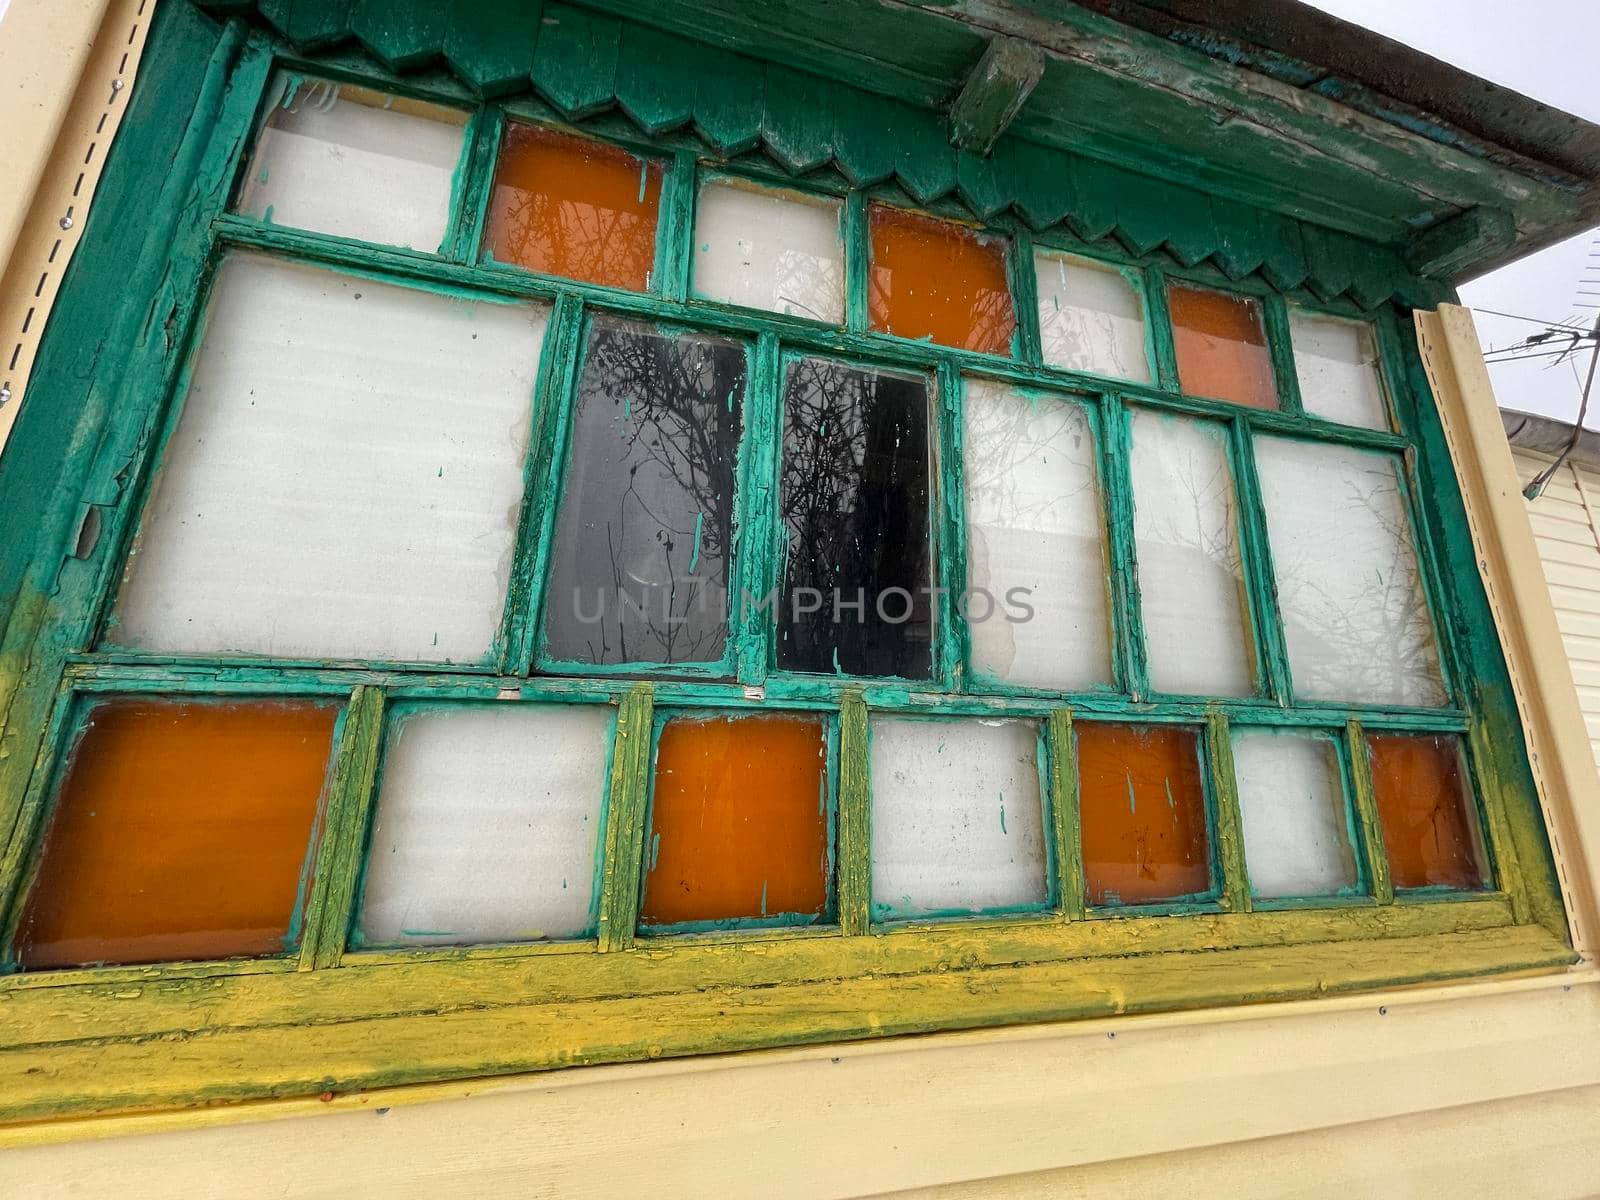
x,y
855,818
995,92
626,803
1442,251
520,1032
402,34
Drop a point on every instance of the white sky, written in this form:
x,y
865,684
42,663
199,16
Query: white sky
x,y
1550,50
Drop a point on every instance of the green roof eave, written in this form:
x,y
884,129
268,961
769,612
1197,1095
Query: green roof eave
x,y
1124,134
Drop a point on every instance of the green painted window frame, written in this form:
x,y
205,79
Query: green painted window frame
x,y
1222,948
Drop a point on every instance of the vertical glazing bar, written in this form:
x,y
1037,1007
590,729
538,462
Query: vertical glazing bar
x,y
857,261
1025,297
1367,811
949,532
1115,445
16,872
469,200
1261,586
760,540
675,230
1507,870
1230,831
621,864
340,849
541,493
1435,592
1065,826
855,816
1166,356
1280,346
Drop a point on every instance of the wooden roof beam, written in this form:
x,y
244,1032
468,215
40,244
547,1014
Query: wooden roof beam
x,y
1452,246
994,92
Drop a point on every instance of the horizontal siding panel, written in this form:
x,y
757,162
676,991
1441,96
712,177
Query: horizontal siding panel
x,y
1575,553
1583,624
1561,508
1569,554
1574,600
1558,528
1574,579
1585,666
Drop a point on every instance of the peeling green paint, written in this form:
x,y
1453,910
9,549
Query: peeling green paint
x,y
165,192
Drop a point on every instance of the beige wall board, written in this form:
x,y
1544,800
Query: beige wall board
x,y
67,67
941,1109
1531,1145
1530,628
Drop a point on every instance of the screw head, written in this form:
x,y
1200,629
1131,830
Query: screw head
x,y
65,222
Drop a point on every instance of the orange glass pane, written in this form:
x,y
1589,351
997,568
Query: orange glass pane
x,y
1143,813
1429,828
572,207
1221,346
934,279
738,821
182,831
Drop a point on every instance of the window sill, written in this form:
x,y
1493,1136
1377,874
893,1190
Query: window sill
x,y
90,1047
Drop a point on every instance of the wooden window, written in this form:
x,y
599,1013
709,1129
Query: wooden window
x,y
640,563
739,816
1350,588
1221,346
347,160
698,595
957,822
938,280
486,824
854,498
1336,361
1091,318
1191,571
769,248
183,830
1298,832
1145,830
1034,522
1430,824
308,510
573,207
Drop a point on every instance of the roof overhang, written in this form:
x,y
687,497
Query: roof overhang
x,y
1267,103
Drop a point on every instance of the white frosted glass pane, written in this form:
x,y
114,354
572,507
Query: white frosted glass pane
x,y
1034,523
1351,599
1291,801
957,821
765,248
1337,364
360,164
486,825
1191,578
1090,318
345,478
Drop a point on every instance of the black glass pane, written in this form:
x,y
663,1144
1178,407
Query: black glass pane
x,y
855,507
639,568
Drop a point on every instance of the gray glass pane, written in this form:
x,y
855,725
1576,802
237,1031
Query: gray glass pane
x,y
855,507
639,568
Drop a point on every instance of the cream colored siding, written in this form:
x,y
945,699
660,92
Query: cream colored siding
x,y
1566,527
